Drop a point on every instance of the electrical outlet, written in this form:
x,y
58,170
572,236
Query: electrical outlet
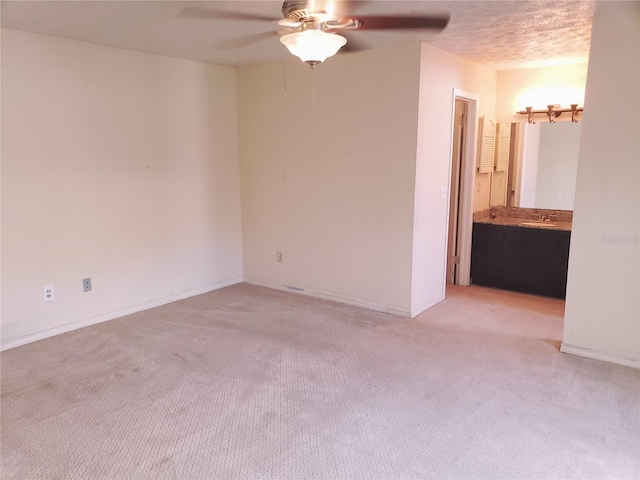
x,y
48,293
279,257
86,284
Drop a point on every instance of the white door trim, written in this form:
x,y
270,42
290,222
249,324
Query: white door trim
x,y
467,173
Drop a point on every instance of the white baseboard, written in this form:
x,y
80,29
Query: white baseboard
x,y
598,355
333,297
34,337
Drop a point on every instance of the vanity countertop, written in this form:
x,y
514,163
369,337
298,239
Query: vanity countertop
x,y
525,223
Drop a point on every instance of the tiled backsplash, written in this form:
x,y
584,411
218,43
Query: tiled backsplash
x,y
526,213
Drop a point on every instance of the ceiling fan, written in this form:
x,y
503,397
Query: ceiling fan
x,y
310,27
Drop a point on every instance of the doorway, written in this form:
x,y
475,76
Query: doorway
x,y
459,138
461,177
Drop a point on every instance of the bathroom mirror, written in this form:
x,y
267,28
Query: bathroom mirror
x,y
543,166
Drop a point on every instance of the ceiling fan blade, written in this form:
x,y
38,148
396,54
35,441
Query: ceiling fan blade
x,y
241,42
208,14
285,22
351,45
384,22
346,7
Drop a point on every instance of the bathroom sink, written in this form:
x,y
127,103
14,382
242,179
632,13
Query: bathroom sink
x,y
538,224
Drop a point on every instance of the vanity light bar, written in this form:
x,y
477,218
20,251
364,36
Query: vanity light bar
x,y
553,112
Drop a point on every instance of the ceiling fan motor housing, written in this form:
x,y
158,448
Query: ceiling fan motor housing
x,y
297,11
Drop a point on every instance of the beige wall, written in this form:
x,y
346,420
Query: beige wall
x,y
602,308
499,182
482,191
440,74
331,186
539,87
118,166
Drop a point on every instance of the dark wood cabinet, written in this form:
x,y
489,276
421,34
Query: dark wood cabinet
x,y
522,259
486,255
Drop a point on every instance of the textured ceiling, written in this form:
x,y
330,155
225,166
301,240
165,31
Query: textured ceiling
x,y
503,34
519,34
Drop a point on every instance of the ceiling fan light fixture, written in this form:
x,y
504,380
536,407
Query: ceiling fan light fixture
x,y
313,46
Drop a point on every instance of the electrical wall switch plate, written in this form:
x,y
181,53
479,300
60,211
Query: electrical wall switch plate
x,y
279,257
443,193
48,293
86,284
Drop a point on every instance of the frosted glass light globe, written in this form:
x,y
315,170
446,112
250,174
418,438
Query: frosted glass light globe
x,y
313,46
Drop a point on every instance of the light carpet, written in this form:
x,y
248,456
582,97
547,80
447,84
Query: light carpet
x,y
248,382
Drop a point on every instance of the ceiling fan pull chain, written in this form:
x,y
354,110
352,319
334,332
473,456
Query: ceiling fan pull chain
x,y
284,75
313,90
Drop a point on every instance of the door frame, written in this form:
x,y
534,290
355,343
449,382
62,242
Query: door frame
x,y
458,143
467,173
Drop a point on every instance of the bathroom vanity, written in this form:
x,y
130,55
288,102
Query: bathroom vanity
x,y
521,253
